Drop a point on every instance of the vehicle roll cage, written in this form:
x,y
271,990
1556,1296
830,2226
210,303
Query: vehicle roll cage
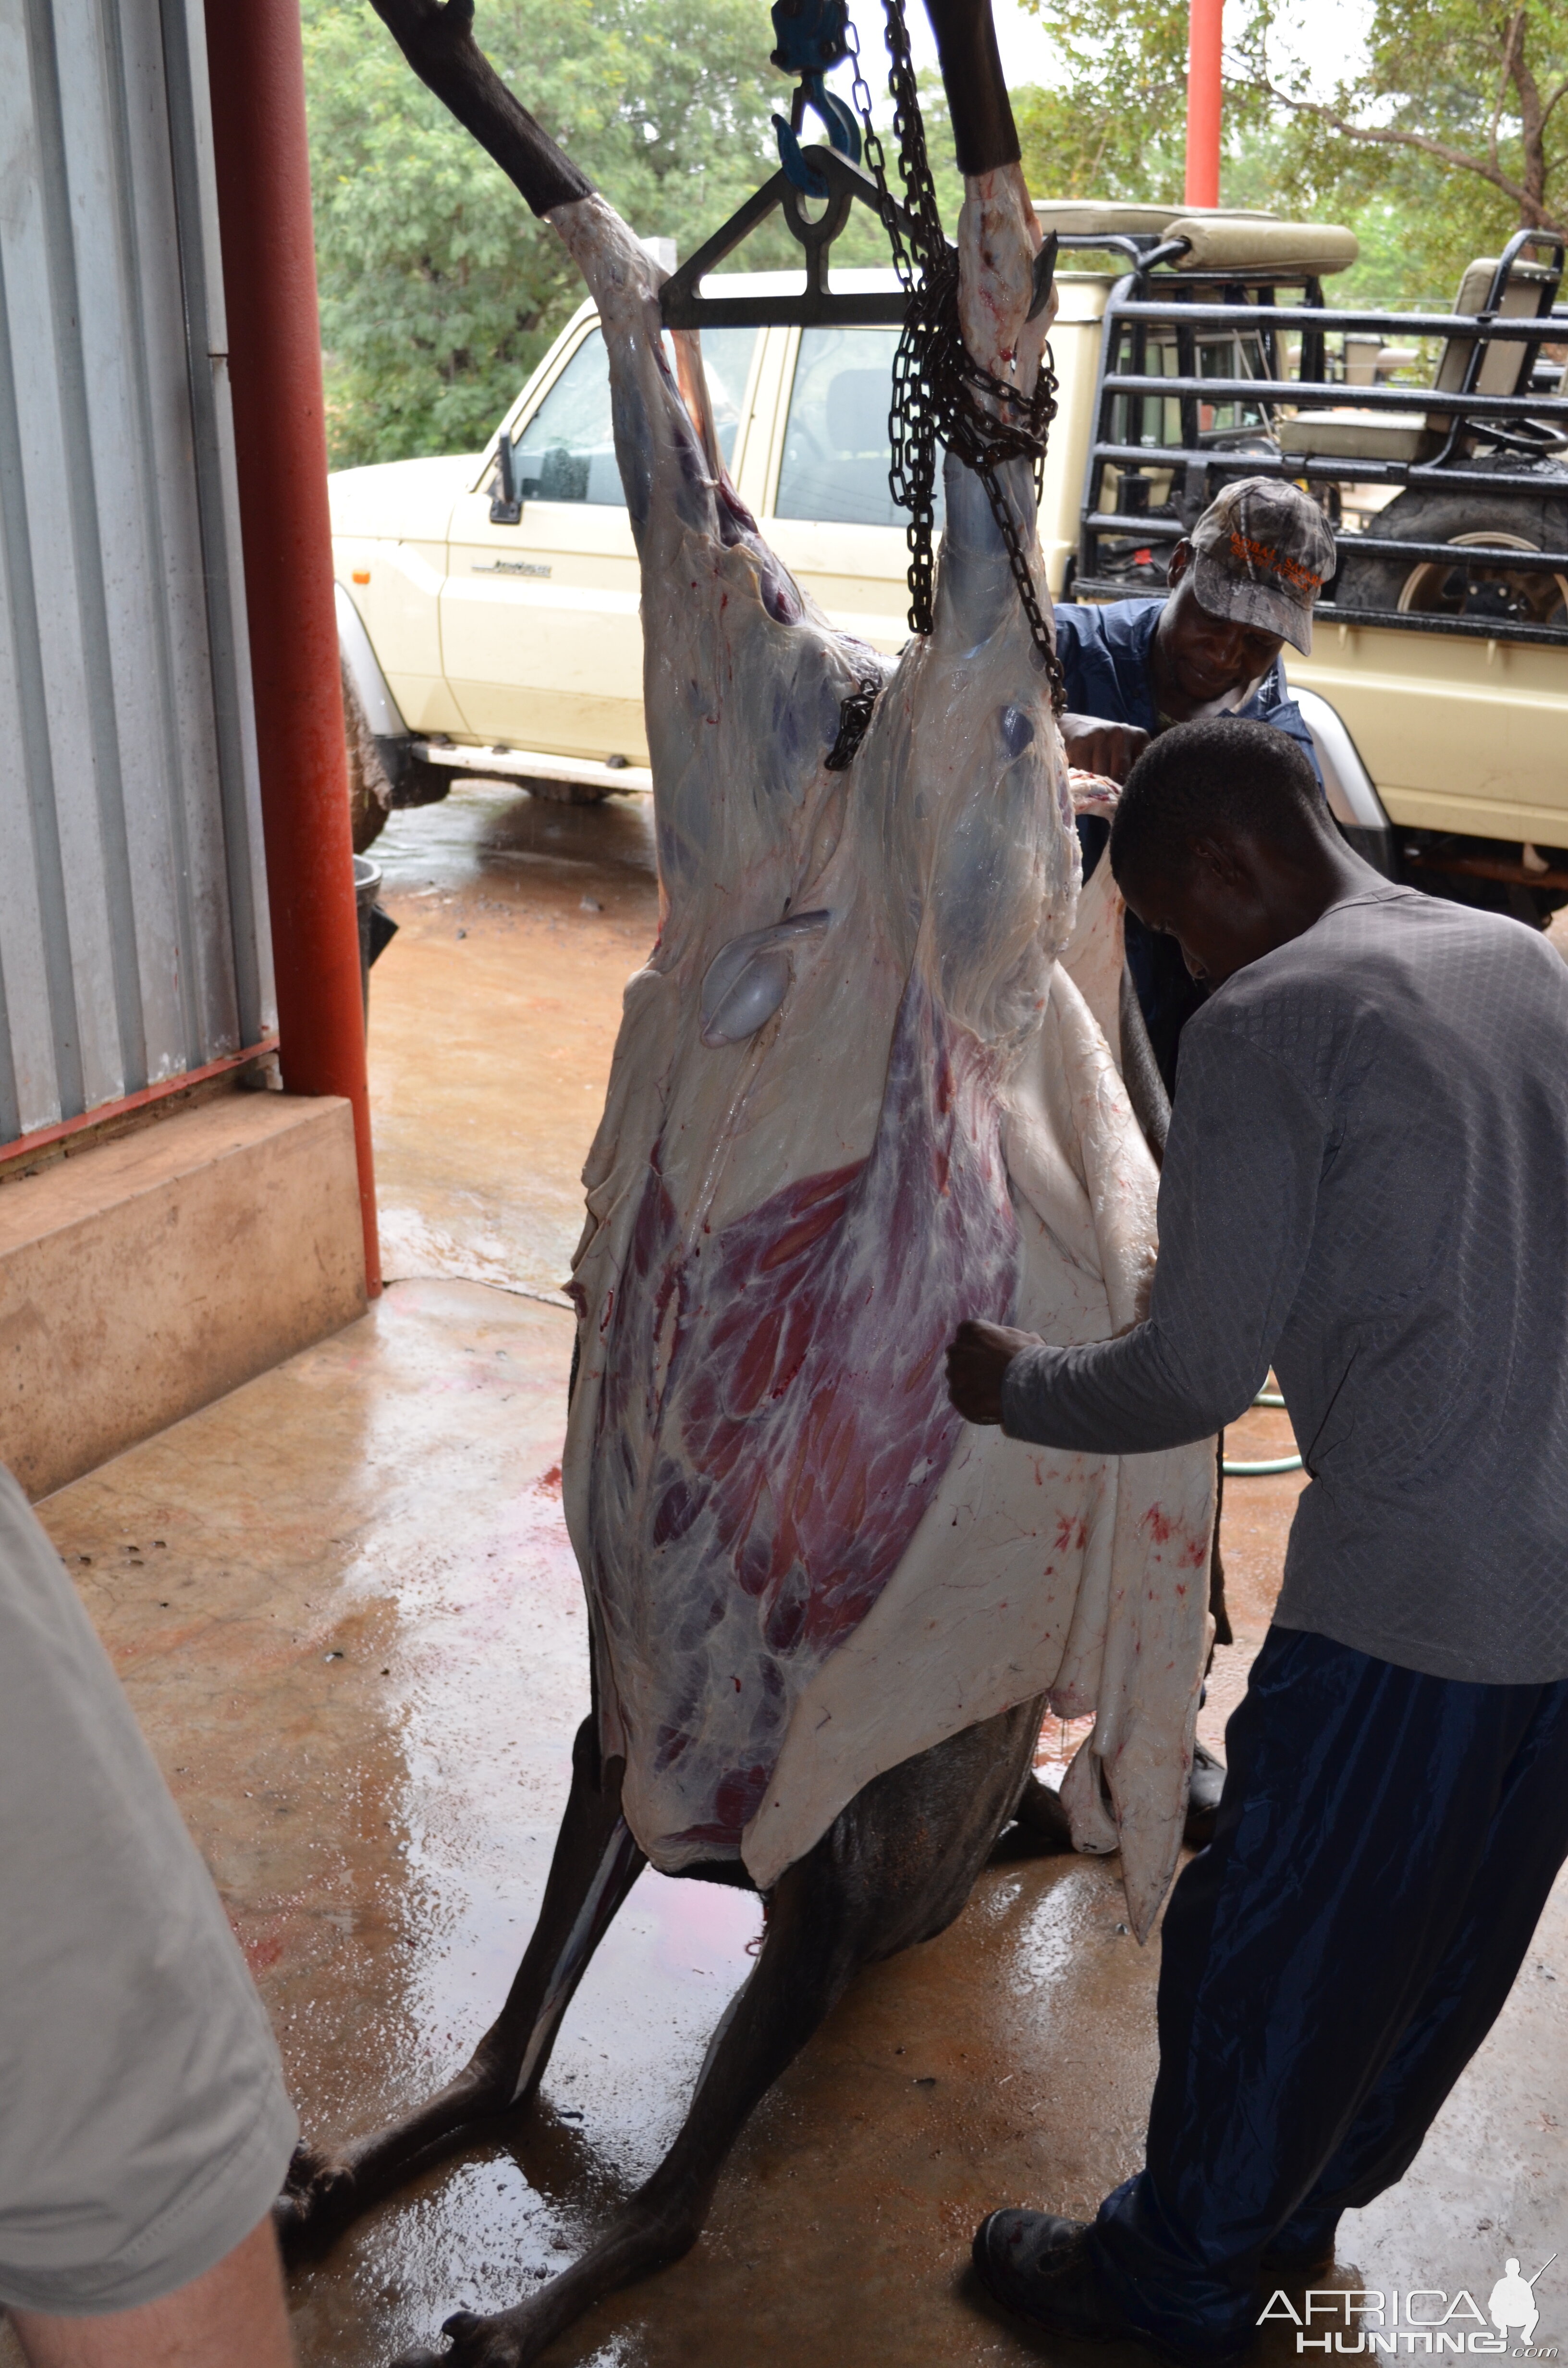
x,y
1150,297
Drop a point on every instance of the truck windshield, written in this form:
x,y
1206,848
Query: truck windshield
x,y
837,448
566,453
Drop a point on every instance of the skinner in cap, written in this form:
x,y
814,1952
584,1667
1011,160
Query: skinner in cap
x,y
1243,584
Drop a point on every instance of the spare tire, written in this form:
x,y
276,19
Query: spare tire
x,y
1524,521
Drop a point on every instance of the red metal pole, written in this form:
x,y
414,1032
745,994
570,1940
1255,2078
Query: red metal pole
x,y
269,278
1204,49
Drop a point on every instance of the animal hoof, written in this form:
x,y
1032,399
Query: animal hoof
x,y
1042,1819
316,2204
475,2342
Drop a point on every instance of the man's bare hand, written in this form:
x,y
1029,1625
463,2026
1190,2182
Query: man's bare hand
x,y
1096,747
980,1355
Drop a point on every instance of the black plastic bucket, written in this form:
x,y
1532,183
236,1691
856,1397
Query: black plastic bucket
x,y
377,927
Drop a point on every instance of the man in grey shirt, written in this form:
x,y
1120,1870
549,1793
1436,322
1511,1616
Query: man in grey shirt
x,y
1364,1187
144,2125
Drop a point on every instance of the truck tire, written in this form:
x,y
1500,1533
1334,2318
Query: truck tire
x,y
1533,522
370,792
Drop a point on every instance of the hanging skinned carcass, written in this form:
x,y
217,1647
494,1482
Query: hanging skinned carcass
x,y
859,1095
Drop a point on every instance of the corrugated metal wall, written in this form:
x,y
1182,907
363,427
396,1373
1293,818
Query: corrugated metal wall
x,y
133,941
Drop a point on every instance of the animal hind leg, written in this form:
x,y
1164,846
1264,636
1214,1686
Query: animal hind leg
x,y
1040,1826
895,1867
1037,1825
595,1866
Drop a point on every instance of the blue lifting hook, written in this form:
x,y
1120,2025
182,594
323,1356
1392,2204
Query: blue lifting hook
x,y
811,38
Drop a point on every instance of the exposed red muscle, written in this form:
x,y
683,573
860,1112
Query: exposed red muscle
x,y
802,1423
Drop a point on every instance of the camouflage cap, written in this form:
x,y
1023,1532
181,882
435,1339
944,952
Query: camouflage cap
x,y
1264,550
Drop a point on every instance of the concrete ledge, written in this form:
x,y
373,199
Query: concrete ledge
x,y
145,1277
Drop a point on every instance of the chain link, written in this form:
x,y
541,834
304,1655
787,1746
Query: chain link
x,y
937,384
854,722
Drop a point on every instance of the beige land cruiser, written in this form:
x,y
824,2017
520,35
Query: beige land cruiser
x,y
488,603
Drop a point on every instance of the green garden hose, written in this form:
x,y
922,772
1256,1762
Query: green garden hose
x,y
1270,1464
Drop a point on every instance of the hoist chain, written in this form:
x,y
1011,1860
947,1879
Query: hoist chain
x,y
936,383
854,722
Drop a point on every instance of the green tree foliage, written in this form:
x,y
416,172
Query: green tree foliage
x,y
1471,89
1455,134
1112,126
440,290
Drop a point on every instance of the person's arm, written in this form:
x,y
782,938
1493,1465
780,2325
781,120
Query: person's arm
x,y
231,2316
1274,705
1095,745
1095,734
1238,1195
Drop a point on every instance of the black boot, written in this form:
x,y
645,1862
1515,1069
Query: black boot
x,y
1041,2267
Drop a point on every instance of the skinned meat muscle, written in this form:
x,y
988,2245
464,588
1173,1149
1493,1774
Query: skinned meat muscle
x,y
856,1097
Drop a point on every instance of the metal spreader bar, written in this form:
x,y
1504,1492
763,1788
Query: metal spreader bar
x,y
819,303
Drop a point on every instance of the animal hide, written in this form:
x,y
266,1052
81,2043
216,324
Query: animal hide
x,y
856,1097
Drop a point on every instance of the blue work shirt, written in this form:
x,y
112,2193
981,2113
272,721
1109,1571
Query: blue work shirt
x,y
1104,660
1105,657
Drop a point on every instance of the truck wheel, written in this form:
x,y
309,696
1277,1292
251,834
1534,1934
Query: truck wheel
x,y
370,792
1441,588
417,782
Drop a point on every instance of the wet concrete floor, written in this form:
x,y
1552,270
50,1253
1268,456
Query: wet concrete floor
x,y
348,1615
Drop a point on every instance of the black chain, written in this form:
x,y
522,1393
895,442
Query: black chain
x,y
937,385
854,722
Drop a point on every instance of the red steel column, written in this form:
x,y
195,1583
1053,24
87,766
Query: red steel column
x,y
269,278
1203,88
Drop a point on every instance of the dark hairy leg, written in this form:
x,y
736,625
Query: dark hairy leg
x,y
1039,1827
595,1866
896,1866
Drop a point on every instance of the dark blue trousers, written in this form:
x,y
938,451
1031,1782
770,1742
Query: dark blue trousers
x,y
1384,1847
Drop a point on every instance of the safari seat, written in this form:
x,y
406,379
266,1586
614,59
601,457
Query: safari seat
x,y
1530,289
1348,434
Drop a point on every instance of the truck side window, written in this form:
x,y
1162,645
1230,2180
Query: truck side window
x,y
566,453
837,448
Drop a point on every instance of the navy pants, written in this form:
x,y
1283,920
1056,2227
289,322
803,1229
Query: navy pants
x,y
1384,1847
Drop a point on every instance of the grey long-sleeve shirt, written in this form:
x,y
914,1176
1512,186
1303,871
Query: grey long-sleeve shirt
x,y
1365,1186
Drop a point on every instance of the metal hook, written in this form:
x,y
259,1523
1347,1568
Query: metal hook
x,y
843,131
811,39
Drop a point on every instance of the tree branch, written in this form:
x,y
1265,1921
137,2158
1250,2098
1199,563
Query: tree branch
x,y
1383,136
1529,117
436,37
1509,38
